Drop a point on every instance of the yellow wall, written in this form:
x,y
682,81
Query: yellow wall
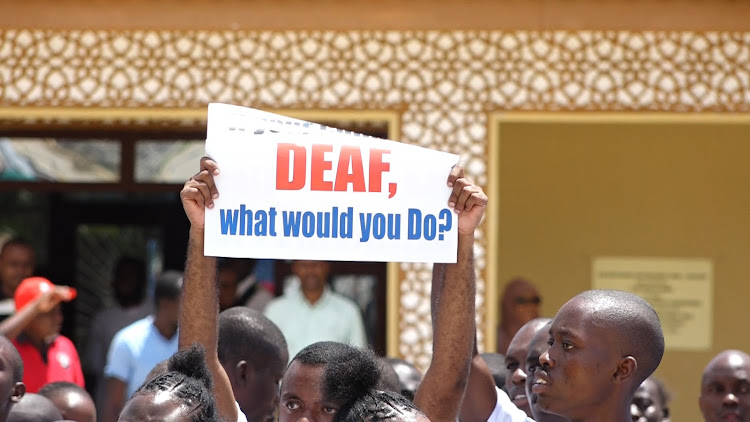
x,y
576,187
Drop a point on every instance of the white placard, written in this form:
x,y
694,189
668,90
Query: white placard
x,y
680,290
291,189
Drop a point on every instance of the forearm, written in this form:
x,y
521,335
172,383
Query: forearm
x,y
199,315
442,389
15,324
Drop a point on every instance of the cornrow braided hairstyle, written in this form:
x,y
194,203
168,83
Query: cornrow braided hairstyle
x,y
189,382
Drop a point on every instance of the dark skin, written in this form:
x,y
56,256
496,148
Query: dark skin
x,y
155,407
75,406
583,377
301,396
538,346
16,264
453,297
200,278
40,319
312,276
515,382
518,306
648,405
254,386
11,391
725,388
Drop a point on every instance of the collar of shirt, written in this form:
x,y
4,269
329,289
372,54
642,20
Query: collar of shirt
x,y
324,298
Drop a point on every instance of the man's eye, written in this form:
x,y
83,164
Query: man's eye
x,y
512,366
328,410
550,342
292,405
567,346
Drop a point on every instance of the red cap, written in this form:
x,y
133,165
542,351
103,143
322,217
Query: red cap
x,y
31,288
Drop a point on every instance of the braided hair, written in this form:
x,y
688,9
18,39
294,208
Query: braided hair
x,y
189,382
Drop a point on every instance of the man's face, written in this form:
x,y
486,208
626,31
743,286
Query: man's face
x,y
302,395
227,288
16,264
515,382
312,274
577,370
538,346
647,405
45,326
725,391
523,301
259,402
169,310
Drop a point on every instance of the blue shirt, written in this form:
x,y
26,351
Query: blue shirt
x,y
135,350
332,318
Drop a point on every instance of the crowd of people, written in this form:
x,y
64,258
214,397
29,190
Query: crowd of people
x,y
198,353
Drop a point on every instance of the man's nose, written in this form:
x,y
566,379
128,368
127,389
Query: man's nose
x,y
518,376
730,399
544,359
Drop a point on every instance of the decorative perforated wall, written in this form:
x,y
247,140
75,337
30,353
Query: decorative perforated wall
x,y
443,84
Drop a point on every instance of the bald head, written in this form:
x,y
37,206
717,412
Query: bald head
x,y
633,323
34,408
724,387
73,402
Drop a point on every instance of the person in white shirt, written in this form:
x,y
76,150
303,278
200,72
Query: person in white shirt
x,y
314,312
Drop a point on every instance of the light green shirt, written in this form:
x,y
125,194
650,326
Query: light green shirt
x,y
332,318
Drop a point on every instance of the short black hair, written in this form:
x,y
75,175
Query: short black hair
x,y
376,406
58,387
635,325
188,381
16,241
246,334
349,372
15,358
168,286
34,408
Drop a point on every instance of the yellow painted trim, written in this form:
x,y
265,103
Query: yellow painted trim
x,y
491,281
93,114
393,304
619,117
494,140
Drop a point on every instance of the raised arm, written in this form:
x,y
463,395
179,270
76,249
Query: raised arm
x,y
442,389
12,326
199,311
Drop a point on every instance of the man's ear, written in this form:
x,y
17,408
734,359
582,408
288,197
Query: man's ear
x,y
18,391
625,370
245,372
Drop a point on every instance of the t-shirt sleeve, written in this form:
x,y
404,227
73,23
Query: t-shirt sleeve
x,y
119,360
506,411
240,416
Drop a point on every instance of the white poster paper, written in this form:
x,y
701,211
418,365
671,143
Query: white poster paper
x,y
291,189
680,290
